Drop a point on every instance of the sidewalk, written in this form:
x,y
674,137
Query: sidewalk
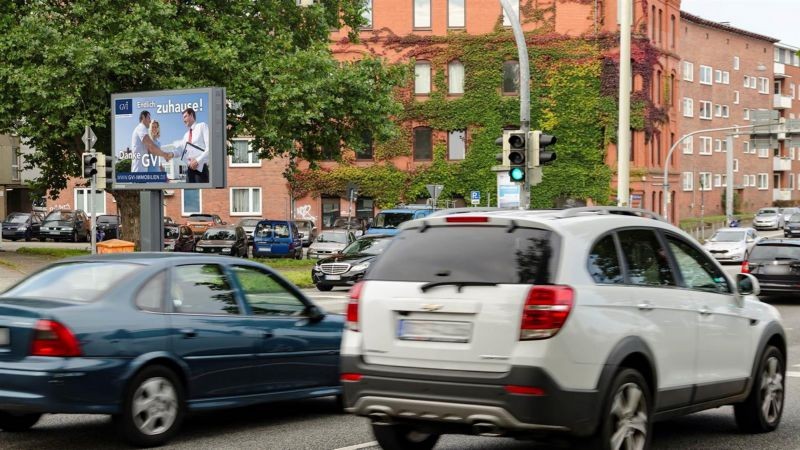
x,y
14,267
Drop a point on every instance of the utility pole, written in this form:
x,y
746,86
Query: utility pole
x,y
729,179
624,125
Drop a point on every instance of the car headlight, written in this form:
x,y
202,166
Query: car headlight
x,y
316,268
21,228
359,267
44,229
226,250
199,248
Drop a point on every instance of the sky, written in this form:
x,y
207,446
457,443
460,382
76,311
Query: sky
x,y
779,19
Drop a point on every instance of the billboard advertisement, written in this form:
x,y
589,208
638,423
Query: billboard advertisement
x,y
169,139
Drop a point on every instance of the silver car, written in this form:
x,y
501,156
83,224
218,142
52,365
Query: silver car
x,y
330,242
768,219
731,244
787,213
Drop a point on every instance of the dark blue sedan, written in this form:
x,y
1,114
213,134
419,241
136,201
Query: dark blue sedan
x,y
147,337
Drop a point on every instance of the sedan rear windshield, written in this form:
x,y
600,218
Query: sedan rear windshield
x,y
79,282
219,235
488,254
391,220
171,233
772,252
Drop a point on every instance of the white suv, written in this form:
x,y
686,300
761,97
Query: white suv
x,y
589,322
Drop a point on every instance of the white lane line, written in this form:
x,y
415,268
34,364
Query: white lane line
x,y
793,374
358,446
796,365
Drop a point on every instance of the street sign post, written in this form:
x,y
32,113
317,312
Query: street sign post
x,y
435,190
475,197
89,138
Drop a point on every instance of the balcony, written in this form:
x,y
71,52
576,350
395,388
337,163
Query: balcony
x,y
781,194
780,164
780,71
781,101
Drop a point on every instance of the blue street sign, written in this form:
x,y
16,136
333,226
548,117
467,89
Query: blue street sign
x,y
475,195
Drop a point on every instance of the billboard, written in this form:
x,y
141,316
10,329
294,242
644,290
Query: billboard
x,y
169,139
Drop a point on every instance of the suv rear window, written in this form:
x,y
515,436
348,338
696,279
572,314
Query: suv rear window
x,y
469,253
771,252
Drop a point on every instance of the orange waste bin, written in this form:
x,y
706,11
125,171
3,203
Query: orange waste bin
x,y
114,246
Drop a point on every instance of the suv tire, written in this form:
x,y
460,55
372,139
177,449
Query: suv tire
x,y
403,437
768,390
626,415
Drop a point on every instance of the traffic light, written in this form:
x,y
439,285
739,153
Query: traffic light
x,y
89,165
104,171
537,149
517,169
502,158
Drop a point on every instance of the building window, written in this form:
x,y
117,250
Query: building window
x,y
791,152
705,75
422,13
364,208
735,97
422,78
688,181
726,77
752,180
688,145
16,164
717,180
515,7
746,114
705,145
763,85
510,77
329,153
366,152
726,112
791,90
455,77
791,181
688,107
242,155
672,31
245,201
735,63
753,82
763,181
763,152
746,147
717,110
367,14
718,145
191,201
455,13
705,110
82,201
423,144
718,76
330,211
688,71
705,181
735,164
456,144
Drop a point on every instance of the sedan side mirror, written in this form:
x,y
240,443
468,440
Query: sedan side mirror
x,y
315,314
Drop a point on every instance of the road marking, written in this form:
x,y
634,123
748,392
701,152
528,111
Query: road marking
x,y
796,365
793,374
358,446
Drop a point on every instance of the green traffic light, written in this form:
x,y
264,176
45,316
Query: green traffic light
x,y
516,174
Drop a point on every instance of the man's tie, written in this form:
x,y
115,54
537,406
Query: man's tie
x,y
190,135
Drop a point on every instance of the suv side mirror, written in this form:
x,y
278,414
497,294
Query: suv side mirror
x,y
747,284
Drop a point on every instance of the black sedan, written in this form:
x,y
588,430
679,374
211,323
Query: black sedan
x,y
776,265
109,226
226,240
21,226
792,226
349,266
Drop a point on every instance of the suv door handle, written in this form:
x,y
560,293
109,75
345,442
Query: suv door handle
x,y
704,311
188,333
645,306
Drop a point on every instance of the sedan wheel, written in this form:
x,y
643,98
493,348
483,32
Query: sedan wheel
x,y
17,422
153,407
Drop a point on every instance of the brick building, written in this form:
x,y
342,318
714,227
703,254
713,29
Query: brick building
x,y
786,179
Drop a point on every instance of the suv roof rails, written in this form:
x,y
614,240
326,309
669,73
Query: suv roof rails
x,y
411,206
467,210
639,212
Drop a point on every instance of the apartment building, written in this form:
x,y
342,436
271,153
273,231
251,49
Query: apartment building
x,y
786,92
15,193
726,75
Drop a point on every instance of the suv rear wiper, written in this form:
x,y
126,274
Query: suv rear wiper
x,y
460,284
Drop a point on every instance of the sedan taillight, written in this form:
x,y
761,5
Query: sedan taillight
x,y
745,266
51,338
546,309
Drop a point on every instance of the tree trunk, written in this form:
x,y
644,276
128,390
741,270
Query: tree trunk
x,y
128,208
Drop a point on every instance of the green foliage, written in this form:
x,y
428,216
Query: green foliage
x,y
54,252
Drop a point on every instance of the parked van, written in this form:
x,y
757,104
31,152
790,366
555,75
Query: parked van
x,y
277,238
386,222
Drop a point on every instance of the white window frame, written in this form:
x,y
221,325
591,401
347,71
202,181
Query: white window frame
x,y
746,147
250,156
84,205
185,213
367,15
791,153
746,181
420,85
798,184
718,145
753,83
688,107
452,144
791,181
706,75
765,178
707,108
688,181
735,63
717,180
746,81
706,144
726,111
457,14
746,114
763,152
251,192
688,145
726,77
718,76
515,7
763,85
688,71
792,92
752,181
705,185
420,15
717,110
452,87
735,97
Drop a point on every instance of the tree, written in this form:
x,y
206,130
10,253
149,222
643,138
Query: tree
x,y
64,58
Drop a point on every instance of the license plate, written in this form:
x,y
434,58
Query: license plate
x,y
5,337
333,277
434,330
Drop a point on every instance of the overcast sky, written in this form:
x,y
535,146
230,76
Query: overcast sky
x,y
779,19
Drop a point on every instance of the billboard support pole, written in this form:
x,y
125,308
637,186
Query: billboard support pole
x,y
151,217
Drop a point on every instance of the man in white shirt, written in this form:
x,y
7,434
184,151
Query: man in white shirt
x,y
197,135
143,146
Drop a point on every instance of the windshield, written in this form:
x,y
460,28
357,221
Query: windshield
x,y
773,252
789,211
79,281
17,218
266,229
367,247
171,233
391,220
220,234
339,238
56,216
107,219
764,212
795,218
728,236
201,218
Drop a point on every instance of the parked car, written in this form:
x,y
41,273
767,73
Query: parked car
x,y
66,225
108,225
586,322
731,244
179,238
330,242
168,221
308,231
227,240
199,223
768,219
249,225
19,225
349,266
277,238
776,265
356,225
792,226
150,338
386,222
788,212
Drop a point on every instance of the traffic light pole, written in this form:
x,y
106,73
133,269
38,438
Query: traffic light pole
x,y
92,187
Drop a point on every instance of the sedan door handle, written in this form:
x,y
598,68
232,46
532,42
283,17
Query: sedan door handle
x,y
704,311
267,334
645,306
188,333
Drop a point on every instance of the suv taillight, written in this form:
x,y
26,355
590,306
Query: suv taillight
x,y
51,338
352,306
745,266
546,309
